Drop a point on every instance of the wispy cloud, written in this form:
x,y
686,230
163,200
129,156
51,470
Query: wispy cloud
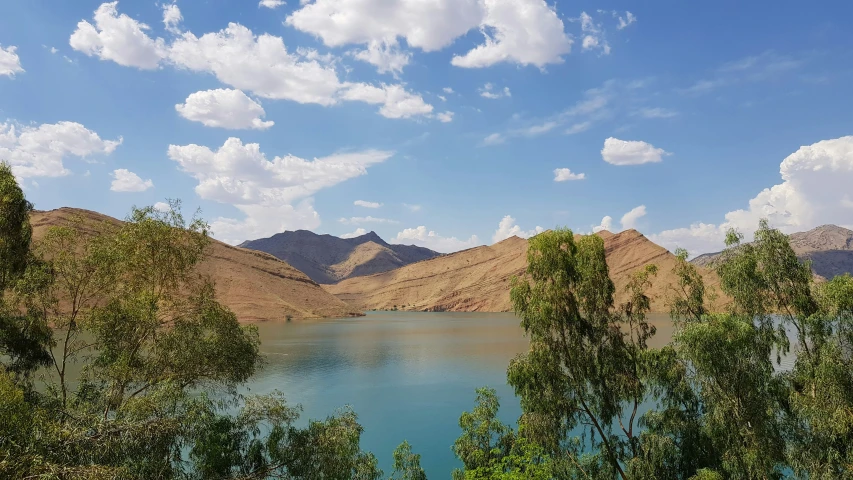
x,y
756,68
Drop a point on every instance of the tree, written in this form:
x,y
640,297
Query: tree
x,y
407,465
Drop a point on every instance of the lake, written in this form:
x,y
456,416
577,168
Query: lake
x,y
408,375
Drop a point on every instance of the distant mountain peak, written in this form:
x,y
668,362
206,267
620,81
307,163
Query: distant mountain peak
x,y
329,259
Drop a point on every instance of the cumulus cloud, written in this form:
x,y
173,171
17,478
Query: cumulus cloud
x,y
126,181
525,32
628,19
385,55
630,152
224,108
40,151
447,90
428,238
629,220
119,38
10,63
366,204
564,174
274,195
507,228
172,18
593,35
606,224
814,191
162,206
395,100
357,233
488,91
271,3
445,117
258,64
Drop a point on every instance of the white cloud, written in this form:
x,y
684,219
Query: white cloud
x,y
629,220
10,63
126,181
40,151
224,108
412,208
656,112
447,90
628,19
53,50
396,101
488,91
271,3
259,64
630,152
367,219
385,55
357,233
507,228
539,129
162,206
593,35
172,18
118,38
428,238
606,224
494,139
366,204
578,128
445,117
266,191
766,66
443,98
564,174
525,32
816,181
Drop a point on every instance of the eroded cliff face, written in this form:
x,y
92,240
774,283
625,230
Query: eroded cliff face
x,y
478,279
255,285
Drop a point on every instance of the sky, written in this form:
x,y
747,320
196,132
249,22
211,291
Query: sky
x,y
442,123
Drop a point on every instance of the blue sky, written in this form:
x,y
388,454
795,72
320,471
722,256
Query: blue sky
x,y
442,118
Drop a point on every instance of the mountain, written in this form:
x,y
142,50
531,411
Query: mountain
x,y
328,259
828,247
255,285
478,279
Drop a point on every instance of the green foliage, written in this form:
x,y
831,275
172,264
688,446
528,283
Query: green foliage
x,y
407,465
15,230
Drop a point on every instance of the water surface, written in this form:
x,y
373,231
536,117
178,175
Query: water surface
x,y
408,375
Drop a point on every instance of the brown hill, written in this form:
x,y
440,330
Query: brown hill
x,y
255,285
829,248
478,279
328,259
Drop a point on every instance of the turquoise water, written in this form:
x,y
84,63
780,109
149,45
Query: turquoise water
x,y
408,375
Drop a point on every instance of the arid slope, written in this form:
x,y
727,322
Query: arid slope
x,y
478,279
255,285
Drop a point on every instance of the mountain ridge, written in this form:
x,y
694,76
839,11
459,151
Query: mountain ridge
x,y
327,259
478,279
829,248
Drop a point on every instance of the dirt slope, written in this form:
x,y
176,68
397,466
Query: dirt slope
x,y
478,279
255,285
328,259
829,248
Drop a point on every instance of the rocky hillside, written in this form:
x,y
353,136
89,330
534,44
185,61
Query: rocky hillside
x,y
255,285
478,279
829,248
328,259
